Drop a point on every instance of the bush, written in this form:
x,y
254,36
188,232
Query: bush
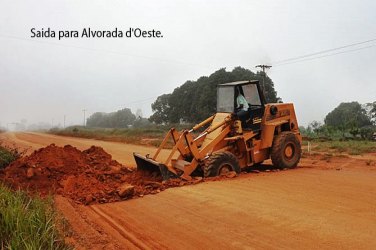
x,y
367,132
7,156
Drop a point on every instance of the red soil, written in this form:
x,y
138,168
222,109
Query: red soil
x,y
89,176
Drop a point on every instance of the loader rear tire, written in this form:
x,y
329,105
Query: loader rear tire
x,y
286,150
220,164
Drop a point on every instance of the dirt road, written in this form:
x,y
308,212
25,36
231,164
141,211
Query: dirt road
x,y
120,151
324,204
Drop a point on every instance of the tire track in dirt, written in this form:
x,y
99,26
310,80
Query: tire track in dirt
x,y
83,233
120,229
269,215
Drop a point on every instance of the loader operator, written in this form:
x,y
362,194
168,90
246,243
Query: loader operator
x,y
241,106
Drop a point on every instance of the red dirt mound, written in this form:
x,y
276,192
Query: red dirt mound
x,y
88,176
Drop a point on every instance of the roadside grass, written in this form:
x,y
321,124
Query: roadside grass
x,y
29,223
152,136
347,147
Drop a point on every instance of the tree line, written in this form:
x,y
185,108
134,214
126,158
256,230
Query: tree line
x,y
348,119
194,101
119,119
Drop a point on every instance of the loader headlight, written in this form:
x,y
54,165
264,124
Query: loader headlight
x,y
273,110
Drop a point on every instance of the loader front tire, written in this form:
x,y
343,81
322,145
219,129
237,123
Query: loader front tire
x,y
220,164
286,150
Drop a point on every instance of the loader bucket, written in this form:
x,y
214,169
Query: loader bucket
x,y
149,165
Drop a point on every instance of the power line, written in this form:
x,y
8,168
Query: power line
x,y
141,101
105,51
322,52
306,57
333,54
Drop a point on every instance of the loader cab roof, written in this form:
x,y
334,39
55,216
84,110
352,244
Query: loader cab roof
x,y
239,83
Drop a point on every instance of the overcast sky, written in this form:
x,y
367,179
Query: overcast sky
x,y
45,79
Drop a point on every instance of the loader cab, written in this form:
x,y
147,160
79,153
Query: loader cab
x,y
226,102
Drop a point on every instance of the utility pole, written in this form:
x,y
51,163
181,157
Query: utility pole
x,y
64,121
84,110
263,67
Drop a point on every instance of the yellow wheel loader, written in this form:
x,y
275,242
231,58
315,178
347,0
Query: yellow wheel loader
x,y
244,132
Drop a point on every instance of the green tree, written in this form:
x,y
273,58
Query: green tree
x,y
316,127
194,101
366,132
119,119
348,116
371,111
97,119
141,122
161,109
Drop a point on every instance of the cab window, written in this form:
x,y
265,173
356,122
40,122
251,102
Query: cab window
x,y
251,94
